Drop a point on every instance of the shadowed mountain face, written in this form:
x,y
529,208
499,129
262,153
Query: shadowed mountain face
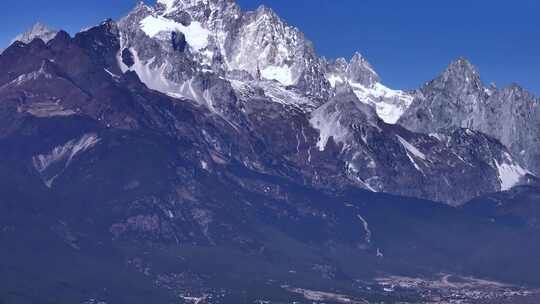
x,y
261,124
177,173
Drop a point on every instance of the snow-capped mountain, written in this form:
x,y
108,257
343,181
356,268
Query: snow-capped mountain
x,y
38,30
366,84
251,47
459,98
326,122
381,157
223,43
192,151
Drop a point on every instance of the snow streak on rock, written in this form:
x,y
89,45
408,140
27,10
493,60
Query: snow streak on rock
x,y
63,156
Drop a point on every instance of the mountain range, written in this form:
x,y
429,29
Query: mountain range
x,y
195,152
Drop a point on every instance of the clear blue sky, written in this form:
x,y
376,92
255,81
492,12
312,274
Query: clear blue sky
x,y
408,42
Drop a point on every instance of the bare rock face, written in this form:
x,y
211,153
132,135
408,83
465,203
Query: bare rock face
x,y
458,98
360,71
380,157
457,94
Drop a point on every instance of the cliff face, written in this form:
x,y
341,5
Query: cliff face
x,y
458,98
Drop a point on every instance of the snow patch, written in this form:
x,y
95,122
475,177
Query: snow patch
x,y
410,148
196,35
63,154
335,80
35,75
510,173
328,125
152,76
204,165
281,74
389,104
412,153
111,74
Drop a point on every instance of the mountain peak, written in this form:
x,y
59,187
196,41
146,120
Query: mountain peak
x,y
357,70
358,57
520,93
463,64
38,30
361,71
263,9
515,87
460,75
464,67
170,6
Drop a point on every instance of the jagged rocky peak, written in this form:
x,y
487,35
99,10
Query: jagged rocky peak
x,y
107,27
179,40
212,13
360,71
520,92
356,71
266,44
366,84
458,98
459,77
183,38
172,5
336,118
38,30
454,99
345,94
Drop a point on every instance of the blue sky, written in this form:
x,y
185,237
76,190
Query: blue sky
x,y
408,42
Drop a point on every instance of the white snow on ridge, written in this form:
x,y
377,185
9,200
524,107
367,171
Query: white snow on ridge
x,y
389,104
196,35
510,173
38,30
